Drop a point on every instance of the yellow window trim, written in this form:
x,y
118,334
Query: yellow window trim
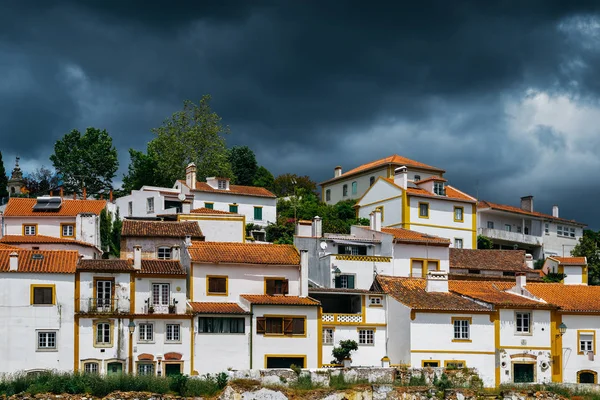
x,y
274,278
366,328
419,210
302,356
36,229
283,335
446,362
424,267
470,319
145,362
112,333
258,206
430,361
61,230
586,331
462,214
588,371
53,286
209,293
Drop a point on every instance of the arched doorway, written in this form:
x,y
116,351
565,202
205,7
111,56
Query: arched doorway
x,y
587,376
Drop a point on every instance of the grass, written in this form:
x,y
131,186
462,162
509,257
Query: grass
x,y
571,393
100,386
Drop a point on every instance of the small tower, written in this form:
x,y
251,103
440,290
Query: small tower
x,y
16,182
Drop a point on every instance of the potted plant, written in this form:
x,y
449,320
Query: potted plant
x,y
150,307
172,307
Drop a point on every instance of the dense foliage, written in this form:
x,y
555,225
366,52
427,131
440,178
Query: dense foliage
x,y
484,242
343,351
589,246
3,179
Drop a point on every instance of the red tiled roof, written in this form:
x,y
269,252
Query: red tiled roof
x,y
107,265
166,267
496,260
244,253
402,235
41,239
305,222
512,209
135,228
154,267
395,160
23,207
6,246
45,261
233,189
431,178
204,210
343,290
495,293
217,308
570,298
264,299
451,194
411,292
571,260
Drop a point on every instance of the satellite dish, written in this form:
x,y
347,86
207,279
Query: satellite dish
x,y
323,246
181,196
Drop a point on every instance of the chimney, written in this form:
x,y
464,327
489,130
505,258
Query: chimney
x,y
337,172
303,273
176,255
372,220
317,227
401,177
529,260
188,241
521,280
110,196
527,203
137,257
14,261
437,281
555,211
84,193
377,219
190,175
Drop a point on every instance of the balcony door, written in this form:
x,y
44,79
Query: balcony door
x,y
104,290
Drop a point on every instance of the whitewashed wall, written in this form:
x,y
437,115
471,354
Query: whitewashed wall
x,y
404,252
219,228
102,355
399,332
121,291
572,361
143,292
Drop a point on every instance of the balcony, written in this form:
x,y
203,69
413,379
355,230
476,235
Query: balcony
x,y
172,308
511,237
342,319
103,306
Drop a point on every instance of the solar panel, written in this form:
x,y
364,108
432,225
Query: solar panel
x,y
47,204
37,256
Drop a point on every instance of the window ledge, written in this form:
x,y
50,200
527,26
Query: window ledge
x,y
173,342
103,345
46,350
462,340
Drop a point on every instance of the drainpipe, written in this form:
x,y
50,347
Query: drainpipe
x,y
251,330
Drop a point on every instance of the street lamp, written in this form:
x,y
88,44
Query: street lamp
x,y
131,327
562,328
336,272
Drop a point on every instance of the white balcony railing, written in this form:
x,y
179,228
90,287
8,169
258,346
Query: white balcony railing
x,y
342,319
509,236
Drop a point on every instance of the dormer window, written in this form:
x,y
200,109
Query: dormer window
x,y
222,184
417,178
439,189
164,253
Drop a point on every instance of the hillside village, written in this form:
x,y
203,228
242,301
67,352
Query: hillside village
x,y
193,291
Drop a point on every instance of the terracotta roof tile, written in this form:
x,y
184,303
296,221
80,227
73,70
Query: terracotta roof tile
x,y
41,261
502,207
451,194
343,290
100,265
136,228
570,298
264,299
23,207
402,235
217,308
41,239
411,292
166,267
204,210
7,246
495,293
395,160
233,189
495,260
431,178
162,267
244,253
571,260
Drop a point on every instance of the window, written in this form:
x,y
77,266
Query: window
x,y
417,178
507,227
344,282
352,250
433,265
216,285
375,301
276,286
354,187
490,224
587,376
572,232
164,253
42,294
103,334
90,367
104,294
220,325
29,230
430,363
366,336
423,210
371,181
454,364
130,208
328,195
146,332
150,204
518,229
586,341
461,328
523,324
289,326
258,214
222,184
345,190
458,243
173,333
46,341
210,206
328,335
67,230
439,189
546,229
559,230
160,294
459,214
416,268
145,369
233,208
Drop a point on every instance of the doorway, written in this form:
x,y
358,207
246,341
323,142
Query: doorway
x,y
285,362
523,373
114,368
172,369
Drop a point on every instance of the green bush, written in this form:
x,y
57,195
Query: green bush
x,y
442,383
343,351
417,381
338,382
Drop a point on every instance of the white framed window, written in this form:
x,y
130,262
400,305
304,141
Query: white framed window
x,y
68,230
366,336
46,340
345,190
163,253
572,232
546,229
507,227
490,224
146,332
328,335
145,369
354,187
518,229
150,204
417,178
375,300
161,294
90,368
586,342
439,189
103,336
424,210
173,333
461,329
30,230
130,208
328,195
523,322
458,243
222,184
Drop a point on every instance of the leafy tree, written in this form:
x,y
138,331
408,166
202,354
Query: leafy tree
x,y
115,236
3,179
105,232
263,178
589,246
193,134
289,184
553,277
41,181
88,160
243,163
343,351
142,171
484,242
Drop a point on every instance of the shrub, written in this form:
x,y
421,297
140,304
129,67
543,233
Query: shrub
x,y
442,383
338,382
343,351
417,380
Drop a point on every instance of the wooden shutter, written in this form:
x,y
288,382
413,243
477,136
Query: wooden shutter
x,y
270,286
261,325
338,282
288,326
298,328
285,286
42,295
222,285
350,279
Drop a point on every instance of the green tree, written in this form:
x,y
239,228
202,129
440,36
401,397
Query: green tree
x,y
3,179
41,182
263,178
589,247
88,160
105,232
484,243
343,351
285,184
243,163
193,134
115,236
142,171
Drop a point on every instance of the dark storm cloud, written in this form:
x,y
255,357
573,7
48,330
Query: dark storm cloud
x,y
308,85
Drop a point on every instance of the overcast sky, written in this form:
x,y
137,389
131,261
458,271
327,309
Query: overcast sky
x,y
502,95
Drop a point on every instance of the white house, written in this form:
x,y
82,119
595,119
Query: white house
x,y
37,312
354,183
153,202
575,269
219,226
42,242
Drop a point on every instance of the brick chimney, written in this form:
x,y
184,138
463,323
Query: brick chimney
x,y
527,203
